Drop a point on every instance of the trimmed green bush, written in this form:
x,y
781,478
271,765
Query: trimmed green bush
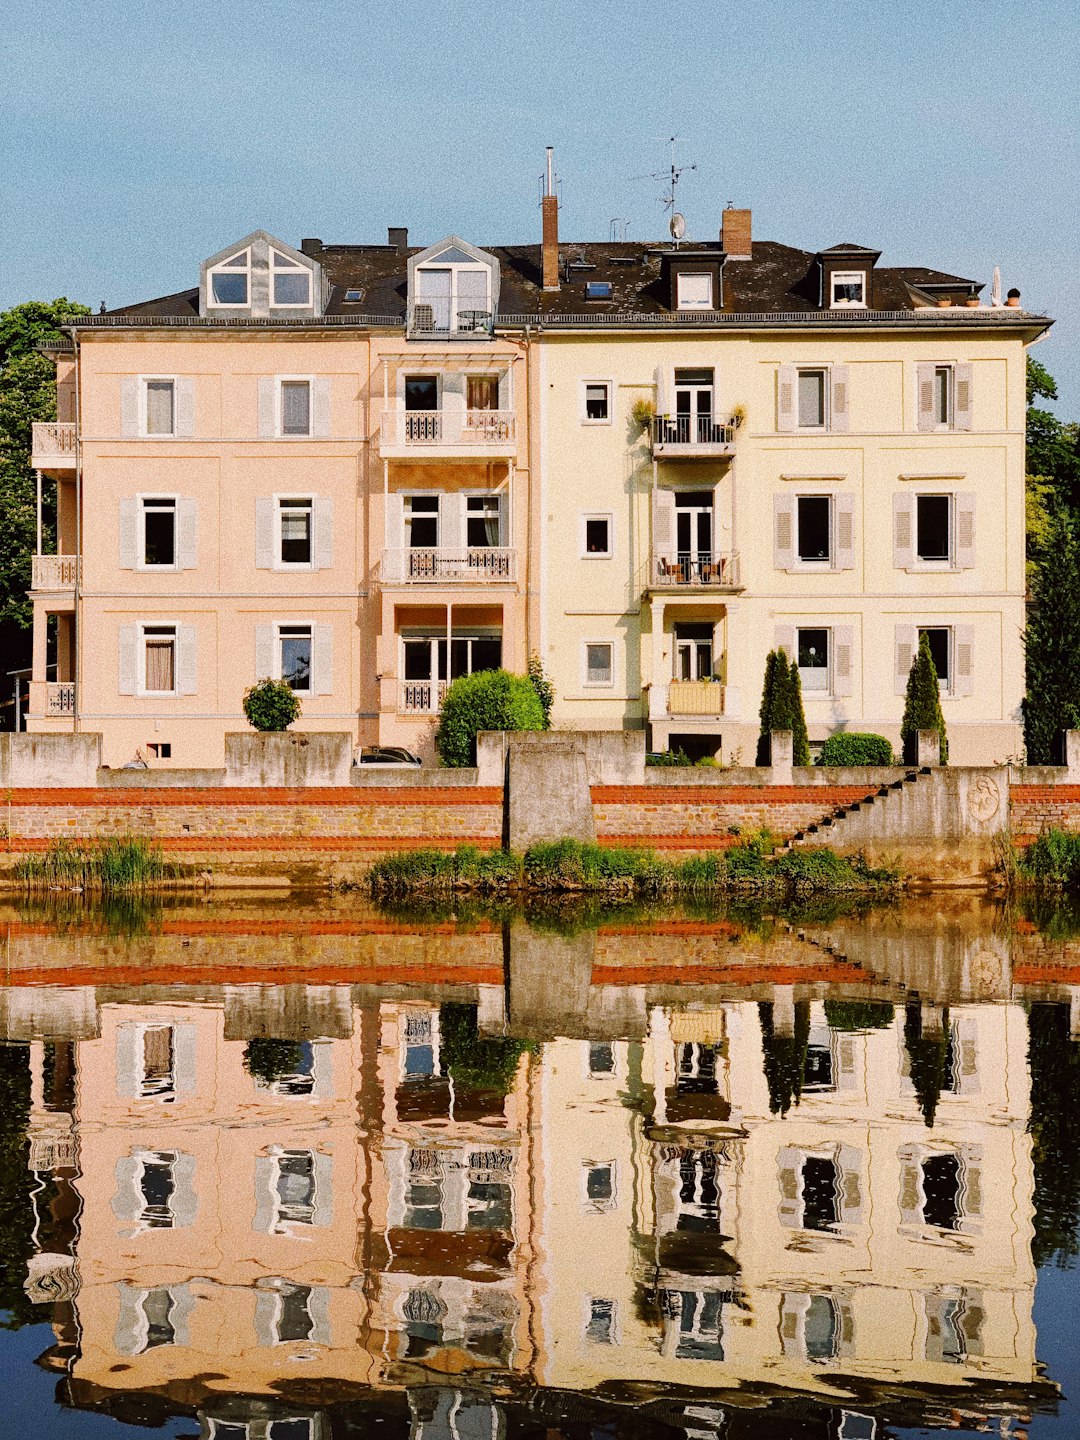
x,y
271,705
858,1014
922,704
488,700
848,747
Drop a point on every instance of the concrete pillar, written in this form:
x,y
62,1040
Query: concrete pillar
x,y
40,653
1074,1012
783,1010
658,693
781,751
1072,756
662,1069
929,748
37,1074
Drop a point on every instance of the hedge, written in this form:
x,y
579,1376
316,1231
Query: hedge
x,y
849,747
488,700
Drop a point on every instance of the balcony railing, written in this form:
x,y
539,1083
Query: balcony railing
x,y
697,572
440,321
470,566
689,437
53,445
695,697
54,572
60,697
415,431
421,697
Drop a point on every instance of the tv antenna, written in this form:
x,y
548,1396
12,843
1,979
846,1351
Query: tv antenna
x,y
672,175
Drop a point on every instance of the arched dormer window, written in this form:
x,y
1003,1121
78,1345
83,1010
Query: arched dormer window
x,y
290,282
230,281
453,290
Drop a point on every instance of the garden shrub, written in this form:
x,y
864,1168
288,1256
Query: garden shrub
x,y
848,747
545,690
858,1014
271,705
487,700
922,704
473,1061
267,1060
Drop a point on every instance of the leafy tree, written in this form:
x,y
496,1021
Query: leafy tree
x,y
927,1055
1052,642
774,711
858,1014
487,700
271,705
922,703
1054,1060
545,690
268,1060
17,1185
473,1061
1053,445
784,1056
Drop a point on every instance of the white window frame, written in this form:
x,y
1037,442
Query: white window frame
x,y
847,277
583,401
827,688
407,497
155,1157
949,562
583,536
279,405
682,275
282,1225
157,625
597,1075
947,687
302,565
140,542
288,267
826,386
599,1207
614,1332
949,423
144,381
228,269
597,684
167,1094
456,268
277,667
503,499
829,562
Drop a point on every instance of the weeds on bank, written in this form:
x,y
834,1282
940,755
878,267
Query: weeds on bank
x,y
108,866
1052,862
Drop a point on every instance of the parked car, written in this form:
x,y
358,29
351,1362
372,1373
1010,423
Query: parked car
x,y
387,755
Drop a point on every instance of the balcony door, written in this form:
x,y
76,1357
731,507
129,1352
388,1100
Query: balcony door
x,y
423,419
693,651
694,534
429,657
694,407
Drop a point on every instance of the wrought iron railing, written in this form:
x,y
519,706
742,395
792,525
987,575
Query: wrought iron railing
x,y
447,427
702,570
470,565
695,431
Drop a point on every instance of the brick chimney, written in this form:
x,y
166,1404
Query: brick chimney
x,y
549,212
398,237
735,236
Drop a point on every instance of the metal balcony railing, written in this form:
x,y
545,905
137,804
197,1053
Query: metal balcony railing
x,y
424,429
421,697
469,565
53,444
700,571
687,435
441,321
60,697
54,572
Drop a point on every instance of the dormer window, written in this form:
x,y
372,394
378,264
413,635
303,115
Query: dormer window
x,y
453,290
847,288
290,282
694,292
230,282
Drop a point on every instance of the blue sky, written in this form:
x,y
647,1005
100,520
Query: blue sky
x,y
137,136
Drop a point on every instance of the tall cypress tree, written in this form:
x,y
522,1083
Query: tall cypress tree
x,y
773,713
800,738
784,1056
922,703
1052,642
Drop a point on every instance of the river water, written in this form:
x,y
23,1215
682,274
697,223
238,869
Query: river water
x,y
302,1169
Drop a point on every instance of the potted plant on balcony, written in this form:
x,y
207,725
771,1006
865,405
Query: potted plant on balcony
x,y
642,413
738,416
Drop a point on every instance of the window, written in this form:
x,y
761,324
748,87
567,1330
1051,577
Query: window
x,y
940,639
157,1312
694,536
954,1323
694,404
159,749
812,391
425,656
813,659
599,662
848,287
597,400
600,1186
294,1189
693,650
602,1058
159,397
600,1321
452,297
597,289
933,528
159,659
694,292
483,521
423,1191
157,1187
942,393
421,392
695,1318
295,527
293,1320
422,522
294,407
596,537
294,656
482,392
942,1186
290,281
158,531
353,296
814,516
230,281
158,1081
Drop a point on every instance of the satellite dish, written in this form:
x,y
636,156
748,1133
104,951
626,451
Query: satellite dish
x,y
677,226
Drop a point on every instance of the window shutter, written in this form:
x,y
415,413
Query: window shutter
x,y
505,402
843,668
964,657
322,550
184,1041
838,398
319,1310
187,533
844,558
183,1302
266,1305
783,531
267,386
451,528
128,1039
129,407
906,641
925,384
129,532
663,378
324,1190
127,1202
265,1196
395,521
322,659
320,406
183,1202
787,383
129,659
187,676
962,397
264,533
664,525
903,509
184,388
965,531
129,1320
784,639
264,652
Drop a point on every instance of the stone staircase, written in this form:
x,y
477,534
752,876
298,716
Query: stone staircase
x,y
878,817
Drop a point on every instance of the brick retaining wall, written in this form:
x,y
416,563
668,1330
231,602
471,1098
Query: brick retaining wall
x,y
707,817
1035,808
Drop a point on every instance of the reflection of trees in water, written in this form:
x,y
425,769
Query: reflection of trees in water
x,y
16,1187
475,1061
784,1056
1055,1128
928,1056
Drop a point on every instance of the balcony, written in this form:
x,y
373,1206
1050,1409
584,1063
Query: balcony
x,y
447,435
695,697
482,565
57,574
695,572
692,437
60,697
53,445
421,697
438,320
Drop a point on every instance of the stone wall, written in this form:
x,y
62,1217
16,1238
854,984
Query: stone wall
x,y
697,817
1039,807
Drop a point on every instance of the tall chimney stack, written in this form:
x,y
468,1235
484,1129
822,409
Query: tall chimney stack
x,y
549,211
735,236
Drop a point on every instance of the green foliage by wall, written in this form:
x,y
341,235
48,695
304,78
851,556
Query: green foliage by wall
x,y
850,747
1054,1058
922,704
271,705
800,738
1052,642
473,1061
488,700
858,1014
545,690
784,1056
927,1055
17,1184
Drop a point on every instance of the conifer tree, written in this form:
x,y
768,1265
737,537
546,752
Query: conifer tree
x,y
773,713
922,703
800,739
1052,643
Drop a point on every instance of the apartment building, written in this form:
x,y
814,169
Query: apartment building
x,y
369,469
